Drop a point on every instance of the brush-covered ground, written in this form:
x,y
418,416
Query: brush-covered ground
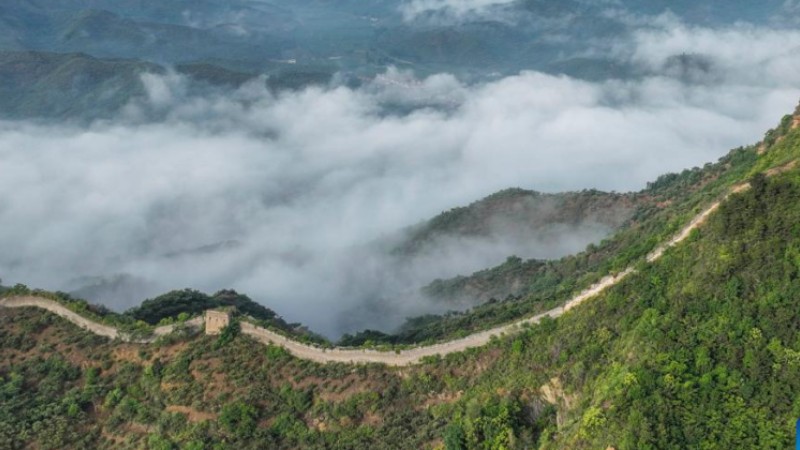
x,y
699,349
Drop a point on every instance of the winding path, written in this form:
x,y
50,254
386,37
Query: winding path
x,y
396,358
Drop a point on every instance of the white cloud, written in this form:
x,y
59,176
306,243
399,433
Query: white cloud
x,y
453,10
305,181
745,54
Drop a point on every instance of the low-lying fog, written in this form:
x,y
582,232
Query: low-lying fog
x,y
283,197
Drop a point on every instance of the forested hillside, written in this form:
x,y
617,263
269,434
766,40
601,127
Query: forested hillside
x,y
696,350
399,224
516,214
520,287
38,84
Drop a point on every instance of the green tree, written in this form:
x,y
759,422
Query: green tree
x,y
239,419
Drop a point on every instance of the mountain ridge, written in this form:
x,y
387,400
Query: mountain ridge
x,y
695,349
413,356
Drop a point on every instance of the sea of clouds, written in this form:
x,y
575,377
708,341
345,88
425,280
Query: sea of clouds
x,y
282,196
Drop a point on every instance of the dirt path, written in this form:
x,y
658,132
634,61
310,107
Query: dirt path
x,y
398,358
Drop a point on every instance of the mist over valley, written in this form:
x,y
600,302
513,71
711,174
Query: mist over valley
x,y
135,167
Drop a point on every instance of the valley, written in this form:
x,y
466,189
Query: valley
x,y
401,357
399,224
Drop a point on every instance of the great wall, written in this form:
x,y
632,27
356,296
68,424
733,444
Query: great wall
x,y
397,358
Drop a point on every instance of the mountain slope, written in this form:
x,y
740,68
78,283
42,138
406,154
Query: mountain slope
x,y
81,87
518,287
697,349
50,85
518,215
477,40
654,363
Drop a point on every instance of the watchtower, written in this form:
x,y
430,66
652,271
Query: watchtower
x,y
216,320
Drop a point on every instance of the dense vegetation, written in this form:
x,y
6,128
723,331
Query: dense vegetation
x,y
194,302
517,287
192,392
523,212
188,302
174,306
699,349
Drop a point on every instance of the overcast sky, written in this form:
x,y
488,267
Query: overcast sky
x,y
303,181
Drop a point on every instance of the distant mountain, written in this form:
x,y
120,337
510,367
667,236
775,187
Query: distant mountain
x,y
215,75
106,34
353,37
80,87
518,214
178,32
530,227
67,86
711,12
103,45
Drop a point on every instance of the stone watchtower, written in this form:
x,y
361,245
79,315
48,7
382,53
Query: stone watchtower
x,y
216,320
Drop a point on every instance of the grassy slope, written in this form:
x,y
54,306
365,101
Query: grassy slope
x,y
666,205
698,350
